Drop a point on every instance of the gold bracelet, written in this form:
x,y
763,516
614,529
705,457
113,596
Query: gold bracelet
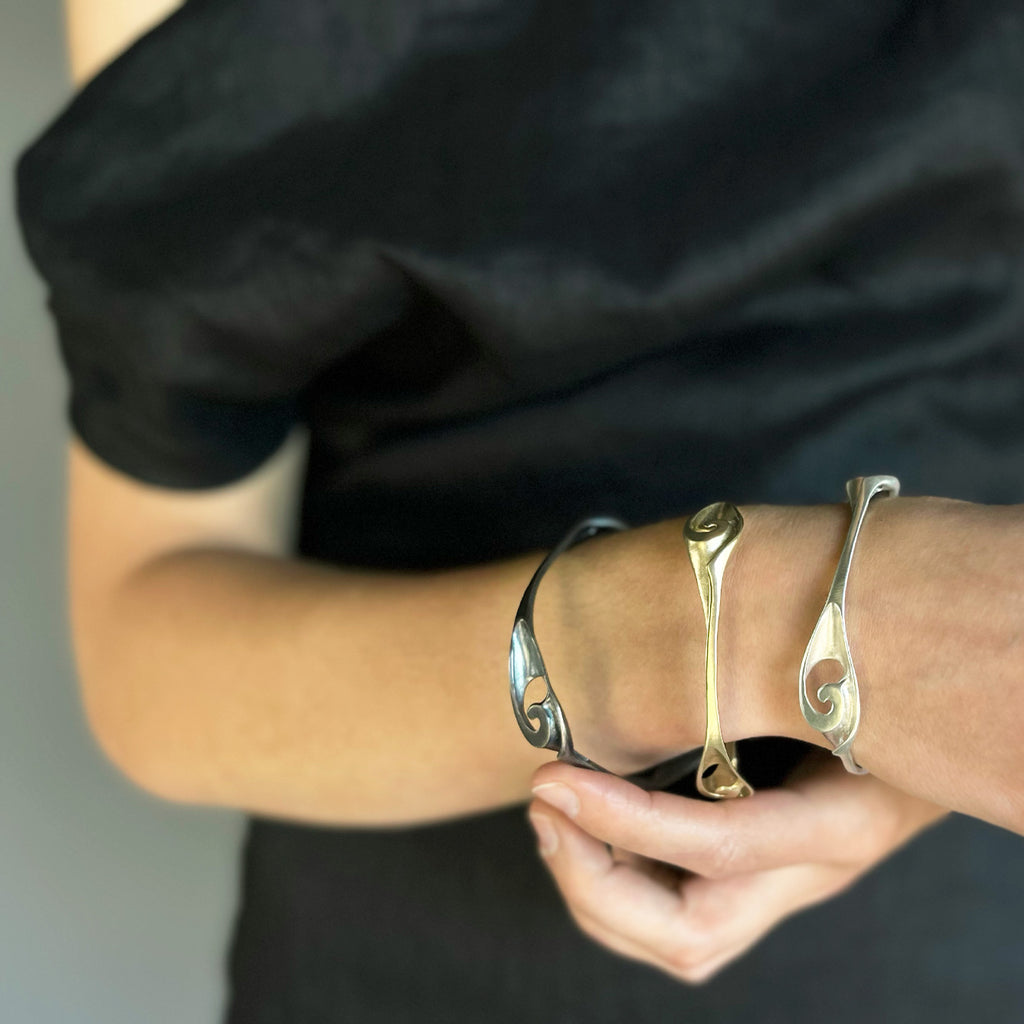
x,y
829,641
710,535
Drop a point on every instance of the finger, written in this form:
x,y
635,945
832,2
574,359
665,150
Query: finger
x,y
734,913
576,863
768,830
629,909
689,930
827,815
727,917
873,817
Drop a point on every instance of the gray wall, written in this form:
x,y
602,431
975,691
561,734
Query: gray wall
x,y
114,907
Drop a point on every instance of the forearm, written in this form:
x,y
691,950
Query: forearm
x,y
292,688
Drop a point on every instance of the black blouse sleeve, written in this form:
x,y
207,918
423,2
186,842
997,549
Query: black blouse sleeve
x,y
161,394
176,213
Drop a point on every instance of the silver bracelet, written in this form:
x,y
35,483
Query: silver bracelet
x,y
829,641
543,722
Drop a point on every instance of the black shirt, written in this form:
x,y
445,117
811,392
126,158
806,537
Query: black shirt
x,y
515,263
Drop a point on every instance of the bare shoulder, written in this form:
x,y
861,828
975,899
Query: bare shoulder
x,y
98,30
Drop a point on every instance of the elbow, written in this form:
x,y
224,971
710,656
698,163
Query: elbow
x,y
130,736
136,754
125,705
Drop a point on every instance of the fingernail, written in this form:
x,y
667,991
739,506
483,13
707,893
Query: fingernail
x,y
559,795
547,836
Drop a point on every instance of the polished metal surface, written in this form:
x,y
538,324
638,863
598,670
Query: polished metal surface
x,y
543,722
829,642
710,536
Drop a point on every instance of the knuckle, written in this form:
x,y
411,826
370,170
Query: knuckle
x,y
574,893
698,974
723,857
573,882
704,916
689,963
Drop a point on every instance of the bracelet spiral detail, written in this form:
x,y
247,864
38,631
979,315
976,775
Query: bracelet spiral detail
x,y
829,641
543,722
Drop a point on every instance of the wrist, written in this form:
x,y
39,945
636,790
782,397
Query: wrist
x,y
782,576
626,654
619,611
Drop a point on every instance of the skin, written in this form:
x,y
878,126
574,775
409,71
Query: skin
x,y
97,30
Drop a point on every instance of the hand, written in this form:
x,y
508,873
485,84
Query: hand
x,y
703,882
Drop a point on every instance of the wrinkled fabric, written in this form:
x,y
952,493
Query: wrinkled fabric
x,y
513,264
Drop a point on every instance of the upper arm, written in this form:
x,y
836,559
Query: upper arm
x,y
117,524
97,30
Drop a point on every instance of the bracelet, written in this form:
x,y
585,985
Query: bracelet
x,y
710,535
829,641
543,723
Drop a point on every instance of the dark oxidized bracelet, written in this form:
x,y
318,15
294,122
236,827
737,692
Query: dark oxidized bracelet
x,y
543,723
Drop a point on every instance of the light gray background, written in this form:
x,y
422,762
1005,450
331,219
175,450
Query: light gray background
x,y
114,907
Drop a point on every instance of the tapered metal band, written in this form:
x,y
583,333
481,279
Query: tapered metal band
x,y
710,535
543,722
829,642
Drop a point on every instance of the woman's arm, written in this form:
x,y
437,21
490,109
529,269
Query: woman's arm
x,y
218,668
